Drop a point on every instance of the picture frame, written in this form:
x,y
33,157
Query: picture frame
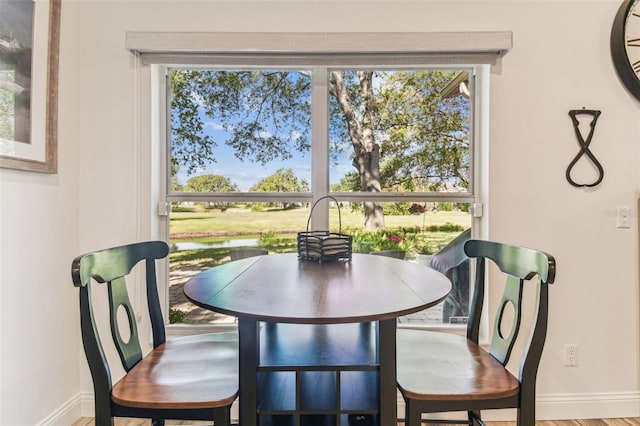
x,y
29,85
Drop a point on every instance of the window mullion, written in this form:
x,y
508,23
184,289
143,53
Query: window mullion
x,y
480,163
320,144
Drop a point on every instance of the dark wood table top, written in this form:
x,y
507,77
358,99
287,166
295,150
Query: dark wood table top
x,y
281,288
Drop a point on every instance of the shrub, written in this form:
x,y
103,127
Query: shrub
x,y
258,207
176,316
268,238
384,239
417,208
411,240
395,209
176,208
446,227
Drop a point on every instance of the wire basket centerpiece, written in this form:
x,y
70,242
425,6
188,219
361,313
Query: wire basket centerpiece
x,y
324,246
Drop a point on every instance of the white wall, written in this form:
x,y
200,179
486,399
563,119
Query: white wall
x,y
560,61
39,332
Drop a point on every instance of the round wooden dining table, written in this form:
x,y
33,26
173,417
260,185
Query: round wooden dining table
x,y
281,289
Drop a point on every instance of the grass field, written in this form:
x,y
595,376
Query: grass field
x,y
234,221
277,229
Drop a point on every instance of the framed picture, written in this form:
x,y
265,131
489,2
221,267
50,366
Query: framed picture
x,y
29,46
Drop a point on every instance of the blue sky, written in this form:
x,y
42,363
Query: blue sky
x,y
245,173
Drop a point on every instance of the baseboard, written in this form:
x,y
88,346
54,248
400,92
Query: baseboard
x,y
70,411
568,406
549,407
82,406
588,406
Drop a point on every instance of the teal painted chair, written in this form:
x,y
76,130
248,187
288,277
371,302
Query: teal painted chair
x,y
187,378
442,372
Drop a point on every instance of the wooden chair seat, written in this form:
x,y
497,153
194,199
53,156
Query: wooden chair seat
x,y
188,378
184,373
447,367
440,372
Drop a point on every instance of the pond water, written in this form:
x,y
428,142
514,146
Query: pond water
x,y
194,245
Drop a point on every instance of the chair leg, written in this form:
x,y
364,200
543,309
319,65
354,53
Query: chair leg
x,y
102,411
412,414
526,415
475,419
222,416
103,421
157,422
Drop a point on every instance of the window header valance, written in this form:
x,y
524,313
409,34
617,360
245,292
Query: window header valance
x,y
319,48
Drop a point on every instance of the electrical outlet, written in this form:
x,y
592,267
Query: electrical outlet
x,y
570,355
623,217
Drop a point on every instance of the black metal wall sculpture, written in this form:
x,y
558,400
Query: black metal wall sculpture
x,y
584,146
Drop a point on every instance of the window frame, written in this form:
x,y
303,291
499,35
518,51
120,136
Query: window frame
x,y
160,128
320,186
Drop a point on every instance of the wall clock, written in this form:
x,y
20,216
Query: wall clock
x,y
625,45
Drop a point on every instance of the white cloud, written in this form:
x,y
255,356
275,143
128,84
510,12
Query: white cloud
x,y
305,167
214,126
199,100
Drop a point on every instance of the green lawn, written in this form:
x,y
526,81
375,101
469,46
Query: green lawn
x,y
234,221
277,231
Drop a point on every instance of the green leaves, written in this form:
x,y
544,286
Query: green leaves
x,y
210,183
283,180
423,136
399,128
265,115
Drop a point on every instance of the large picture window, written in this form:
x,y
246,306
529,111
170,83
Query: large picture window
x,y
250,149
259,126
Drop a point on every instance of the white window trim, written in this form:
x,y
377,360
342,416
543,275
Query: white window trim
x,y
326,49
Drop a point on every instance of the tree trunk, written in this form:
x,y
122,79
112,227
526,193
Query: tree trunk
x,y
366,158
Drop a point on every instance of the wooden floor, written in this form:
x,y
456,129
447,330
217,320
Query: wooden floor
x,y
85,421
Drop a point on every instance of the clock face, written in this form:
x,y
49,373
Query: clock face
x,y
632,36
625,45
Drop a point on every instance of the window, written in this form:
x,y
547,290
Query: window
x,y
253,140
397,150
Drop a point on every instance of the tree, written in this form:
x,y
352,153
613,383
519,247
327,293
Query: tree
x,y
267,113
360,129
397,124
433,145
420,135
176,185
210,183
283,180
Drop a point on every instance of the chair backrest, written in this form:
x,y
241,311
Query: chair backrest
x,y
520,265
453,262
110,267
244,252
396,254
